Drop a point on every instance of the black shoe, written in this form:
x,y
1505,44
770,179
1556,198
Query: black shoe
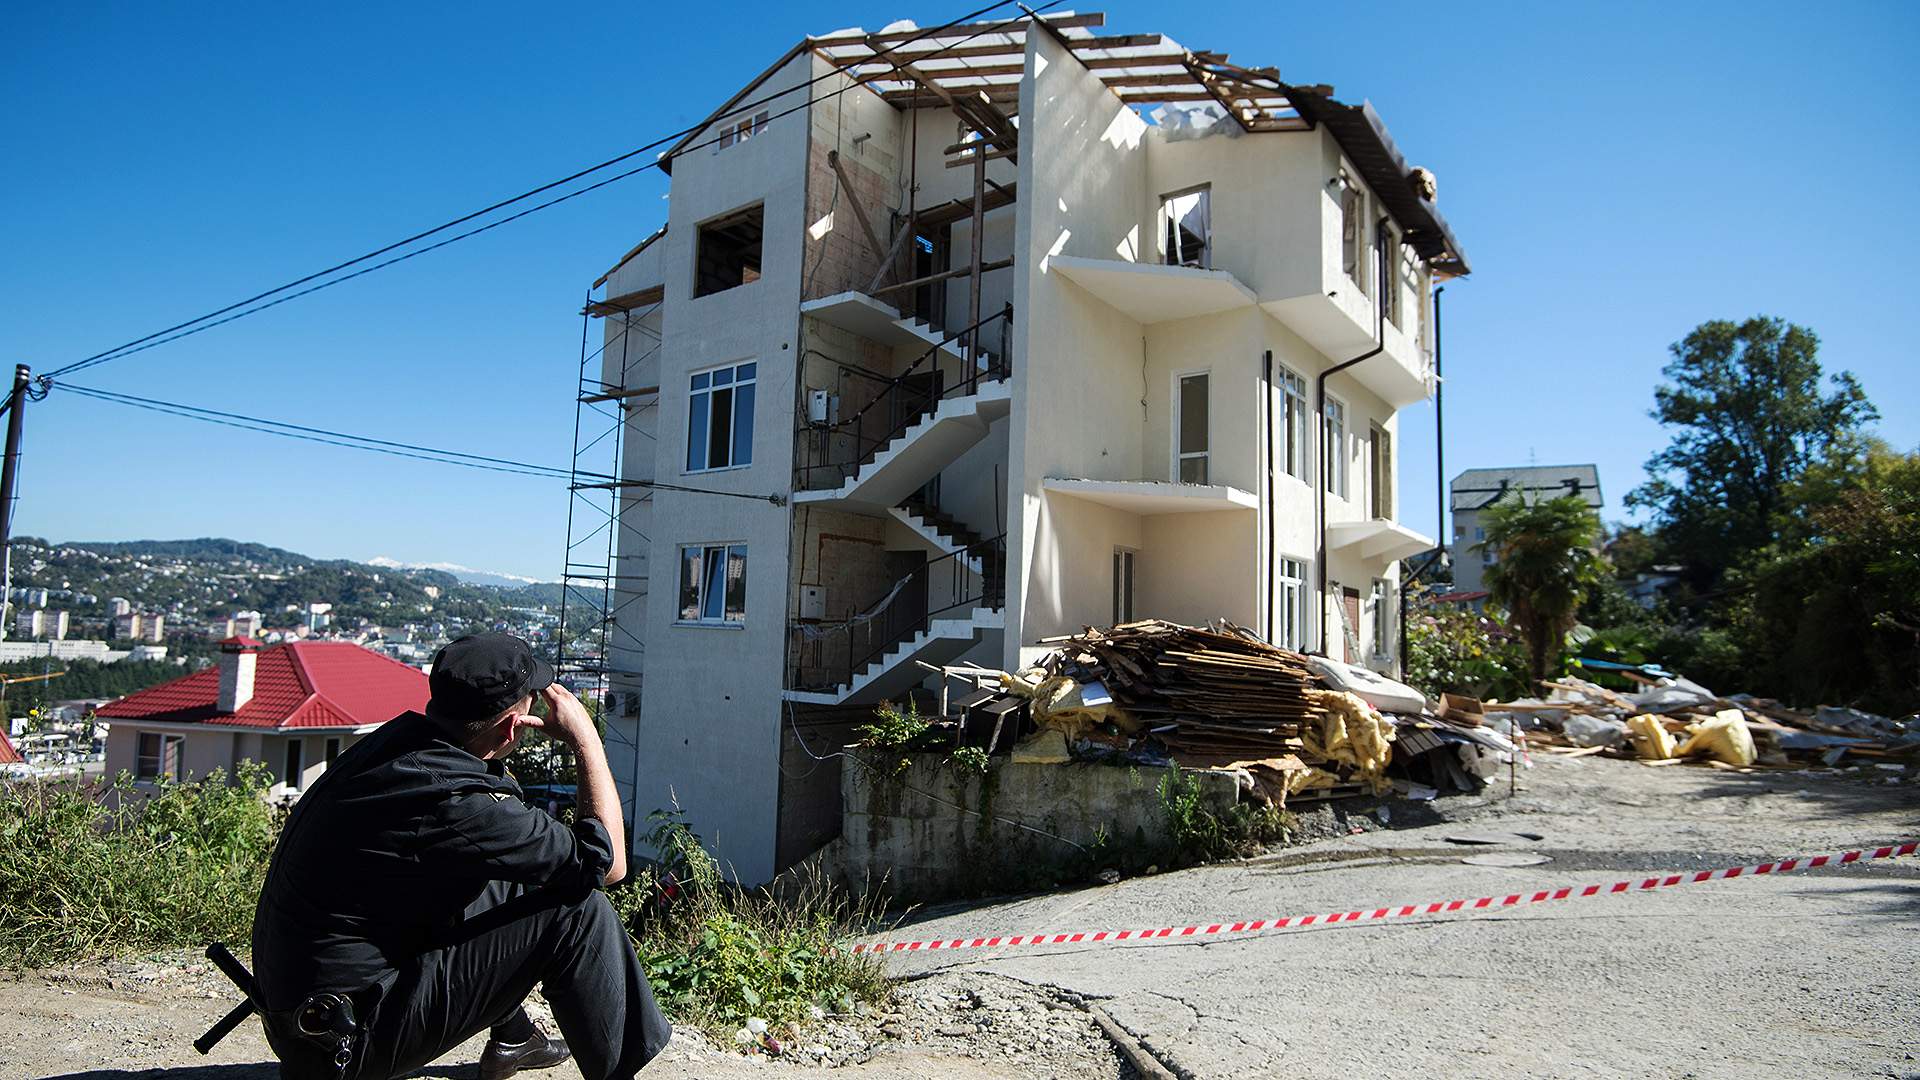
x,y
501,1060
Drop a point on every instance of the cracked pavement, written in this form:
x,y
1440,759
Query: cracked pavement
x,y
1809,974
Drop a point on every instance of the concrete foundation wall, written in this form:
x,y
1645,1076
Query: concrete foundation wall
x,y
901,828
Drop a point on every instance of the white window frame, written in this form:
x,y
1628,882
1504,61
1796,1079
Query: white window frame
x,y
1334,444
1290,574
1379,471
1382,620
729,618
700,396
141,771
1295,431
1168,255
1353,246
1387,252
741,129
1205,456
1125,562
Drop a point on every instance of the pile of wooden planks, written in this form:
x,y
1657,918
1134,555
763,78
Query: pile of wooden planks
x,y
1213,689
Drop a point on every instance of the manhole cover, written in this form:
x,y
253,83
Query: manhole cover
x,y
1507,858
1493,838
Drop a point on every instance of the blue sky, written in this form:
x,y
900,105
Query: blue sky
x,y
1617,174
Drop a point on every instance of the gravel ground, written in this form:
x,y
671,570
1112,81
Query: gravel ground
x,y
1805,975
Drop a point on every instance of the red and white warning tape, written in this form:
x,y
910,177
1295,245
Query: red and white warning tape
x,y
1441,907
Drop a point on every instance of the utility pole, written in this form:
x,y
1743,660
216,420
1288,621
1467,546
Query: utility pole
x,y
9,480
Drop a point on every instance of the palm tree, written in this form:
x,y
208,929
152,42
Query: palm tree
x,y
1543,562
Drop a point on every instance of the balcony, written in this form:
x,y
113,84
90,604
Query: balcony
x,y
1153,293
1376,540
1151,497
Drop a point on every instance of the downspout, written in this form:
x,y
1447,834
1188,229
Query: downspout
x,y
1326,459
1266,542
1439,479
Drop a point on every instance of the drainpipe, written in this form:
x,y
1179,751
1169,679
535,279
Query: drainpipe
x,y
1439,480
1267,511
1326,459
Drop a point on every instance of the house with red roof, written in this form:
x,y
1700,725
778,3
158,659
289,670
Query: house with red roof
x,y
8,755
294,706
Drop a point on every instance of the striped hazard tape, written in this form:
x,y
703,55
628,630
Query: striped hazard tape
x,y
1441,907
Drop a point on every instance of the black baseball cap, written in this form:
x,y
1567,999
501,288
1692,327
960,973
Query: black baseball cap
x,y
479,675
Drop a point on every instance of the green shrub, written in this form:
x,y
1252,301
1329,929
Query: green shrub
x,y
717,954
1196,834
1460,651
88,873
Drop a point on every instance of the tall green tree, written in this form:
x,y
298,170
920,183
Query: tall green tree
x,y
1544,562
1751,412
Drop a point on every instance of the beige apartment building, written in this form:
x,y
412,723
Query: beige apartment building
x,y
952,342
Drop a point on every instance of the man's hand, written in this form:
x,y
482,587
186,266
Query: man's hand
x,y
567,719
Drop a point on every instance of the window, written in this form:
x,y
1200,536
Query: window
x,y
1293,604
1122,586
1333,443
158,756
1190,429
728,252
333,751
290,771
1380,473
1386,258
1382,620
1353,211
740,130
720,418
1186,228
1294,425
713,584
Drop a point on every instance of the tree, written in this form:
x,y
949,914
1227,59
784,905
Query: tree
x,y
1543,564
1749,418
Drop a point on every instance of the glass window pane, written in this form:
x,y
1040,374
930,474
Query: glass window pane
x,y
701,380
1193,414
745,372
714,587
697,432
722,377
1193,470
720,429
742,425
689,583
737,583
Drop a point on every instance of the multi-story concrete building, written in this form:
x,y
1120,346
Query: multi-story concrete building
x,y
954,342
1476,489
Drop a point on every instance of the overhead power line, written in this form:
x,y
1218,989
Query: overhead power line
x,y
251,305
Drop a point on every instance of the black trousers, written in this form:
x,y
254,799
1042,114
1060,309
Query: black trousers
x,y
571,946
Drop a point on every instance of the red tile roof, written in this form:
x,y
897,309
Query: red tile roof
x,y
301,684
8,755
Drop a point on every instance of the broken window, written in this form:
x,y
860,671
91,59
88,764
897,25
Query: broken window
x,y
1186,229
1294,424
740,130
1333,443
1122,586
1353,211
1293,603
728,252
158,756
720,418
1190,430
713,583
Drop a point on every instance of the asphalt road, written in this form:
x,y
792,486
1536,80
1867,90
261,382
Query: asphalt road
x,y
1809,974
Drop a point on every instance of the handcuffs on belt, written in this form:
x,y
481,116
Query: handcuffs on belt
x,y
328,1019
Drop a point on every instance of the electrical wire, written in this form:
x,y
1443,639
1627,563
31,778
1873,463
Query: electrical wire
x,y
235,310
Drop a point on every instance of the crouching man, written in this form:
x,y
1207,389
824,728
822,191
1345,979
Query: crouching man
x,y
414,900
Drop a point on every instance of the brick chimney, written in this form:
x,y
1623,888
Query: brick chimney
x,y
237,657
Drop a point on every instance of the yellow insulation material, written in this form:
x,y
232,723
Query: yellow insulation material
x,y
1351,732
1724,737
1651,739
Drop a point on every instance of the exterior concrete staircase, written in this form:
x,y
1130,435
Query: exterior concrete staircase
x,y
941,640
920,452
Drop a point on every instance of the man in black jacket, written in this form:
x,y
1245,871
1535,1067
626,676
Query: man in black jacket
x,y
415,900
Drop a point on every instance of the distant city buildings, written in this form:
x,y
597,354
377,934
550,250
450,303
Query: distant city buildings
x,y
1474,490
30,623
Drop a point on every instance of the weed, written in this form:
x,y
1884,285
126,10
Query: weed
x,y
90,873
973,758
717,954
1195,833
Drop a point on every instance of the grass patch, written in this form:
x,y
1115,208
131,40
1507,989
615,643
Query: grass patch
x,y
718,955
1197,834
88,872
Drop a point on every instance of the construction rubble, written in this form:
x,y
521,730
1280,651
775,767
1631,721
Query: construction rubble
x,y
1295,728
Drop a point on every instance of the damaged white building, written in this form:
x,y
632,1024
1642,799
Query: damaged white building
x,y
954,341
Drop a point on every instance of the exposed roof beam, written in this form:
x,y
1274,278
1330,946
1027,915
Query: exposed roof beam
x,y
1091,18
